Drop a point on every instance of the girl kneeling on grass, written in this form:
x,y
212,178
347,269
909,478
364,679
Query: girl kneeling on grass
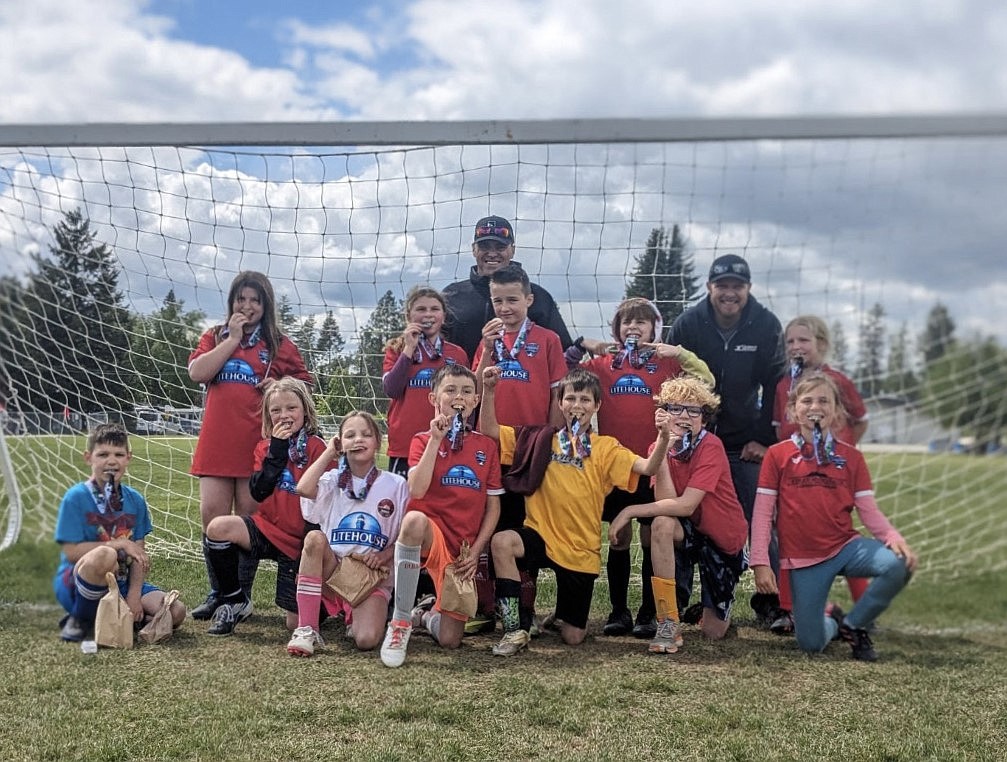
x,y
809,486
235,544
359,510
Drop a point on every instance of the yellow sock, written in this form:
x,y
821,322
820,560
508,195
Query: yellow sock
x,y
665,600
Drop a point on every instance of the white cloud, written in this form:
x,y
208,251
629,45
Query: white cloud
x,y
830,226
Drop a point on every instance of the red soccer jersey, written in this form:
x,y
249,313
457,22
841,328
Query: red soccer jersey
x,y
524,391
814,502
719,515
627,395
232,420
848,395
412,412
456,498
279,515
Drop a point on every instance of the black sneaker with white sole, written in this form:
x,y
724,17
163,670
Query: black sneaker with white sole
x,y
205,609
227,616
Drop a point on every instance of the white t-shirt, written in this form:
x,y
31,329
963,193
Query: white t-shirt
x,y
358,526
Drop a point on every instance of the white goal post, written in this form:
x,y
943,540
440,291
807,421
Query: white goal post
x,y
837,216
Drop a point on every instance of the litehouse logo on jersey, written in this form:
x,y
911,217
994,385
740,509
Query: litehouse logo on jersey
x,y
237,371
746,348
511,370
461,476
630,384
358,529
287,482
531,349
422,379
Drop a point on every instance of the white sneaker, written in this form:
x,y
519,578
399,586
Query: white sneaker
x,y
304,641
511,643
393,649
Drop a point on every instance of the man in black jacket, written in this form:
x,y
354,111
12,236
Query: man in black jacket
x,y
742,343
468,300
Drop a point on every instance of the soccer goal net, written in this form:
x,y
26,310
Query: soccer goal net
x,y
118,244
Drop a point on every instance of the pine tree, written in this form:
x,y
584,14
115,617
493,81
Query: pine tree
x,y
901,379
938,335
839,348
387,320
285,314
330,343
76,320
870,362
303,336
160,351
664,273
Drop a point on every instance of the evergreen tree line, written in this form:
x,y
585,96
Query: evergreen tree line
x,y
68,342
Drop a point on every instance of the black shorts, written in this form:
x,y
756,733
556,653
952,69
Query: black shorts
x,y
618,499
719,572
512,511
286,568
399,466
573,589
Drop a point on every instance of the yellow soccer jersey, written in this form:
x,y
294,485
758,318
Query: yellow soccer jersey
x,y
566,509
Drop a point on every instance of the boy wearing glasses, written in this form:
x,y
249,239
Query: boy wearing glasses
x,y
697,520
742,342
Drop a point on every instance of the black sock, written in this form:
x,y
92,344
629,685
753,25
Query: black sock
x,y
618,578
223,558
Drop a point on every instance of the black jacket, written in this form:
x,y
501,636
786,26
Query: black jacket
x,y
751,362
469,309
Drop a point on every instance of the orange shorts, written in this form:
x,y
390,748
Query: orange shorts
x,y
437,558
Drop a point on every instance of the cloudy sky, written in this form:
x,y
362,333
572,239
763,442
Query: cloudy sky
x,y
830,226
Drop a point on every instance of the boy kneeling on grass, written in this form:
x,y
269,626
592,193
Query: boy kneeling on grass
x,y
698,520
101,527
566,475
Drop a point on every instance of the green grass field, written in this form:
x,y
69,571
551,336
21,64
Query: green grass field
x,y
939,691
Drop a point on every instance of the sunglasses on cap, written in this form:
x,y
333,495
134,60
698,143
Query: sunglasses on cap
x,y
738,268
489,230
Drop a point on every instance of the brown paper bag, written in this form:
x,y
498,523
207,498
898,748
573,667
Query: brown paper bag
x,y
160,627
113,625
354,580
459,595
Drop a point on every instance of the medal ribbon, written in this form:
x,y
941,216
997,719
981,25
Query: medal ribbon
x,y
432,350
687,446
344,480
629,351
500,349
575,440
297,450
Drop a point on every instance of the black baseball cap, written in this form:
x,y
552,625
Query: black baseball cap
x,y
494,229
730,266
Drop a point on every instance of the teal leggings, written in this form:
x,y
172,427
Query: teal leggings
x,y
861,557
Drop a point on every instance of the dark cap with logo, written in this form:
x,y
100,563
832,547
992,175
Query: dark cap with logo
x,y
494,229
730,266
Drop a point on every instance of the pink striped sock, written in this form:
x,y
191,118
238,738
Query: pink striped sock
x,y
309,601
